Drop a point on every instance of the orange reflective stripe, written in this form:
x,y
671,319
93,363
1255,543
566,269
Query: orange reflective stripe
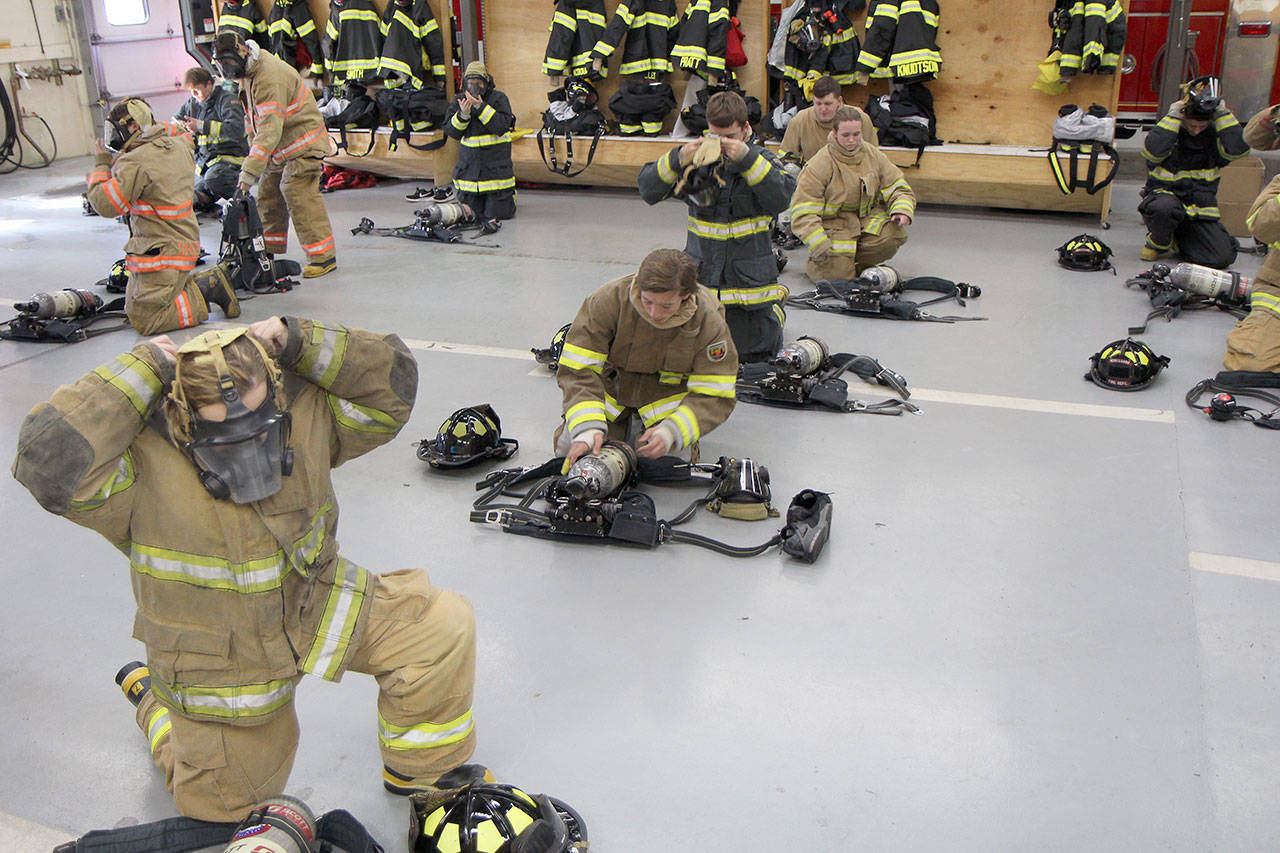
x,y
163,211
185,315
270,107
317,248
115,195
98,177
298,144
297,102
257,152
151,263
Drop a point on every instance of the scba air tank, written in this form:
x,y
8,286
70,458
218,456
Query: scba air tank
x,y
60,303
1229,287
279,825
599,475
883,278
801,357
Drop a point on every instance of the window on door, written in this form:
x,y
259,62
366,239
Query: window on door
x,y
124,13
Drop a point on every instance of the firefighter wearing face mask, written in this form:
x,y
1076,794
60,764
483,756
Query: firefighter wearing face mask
x,y
209,466
653,344
481,120
851,206
287,139
151,182
731,220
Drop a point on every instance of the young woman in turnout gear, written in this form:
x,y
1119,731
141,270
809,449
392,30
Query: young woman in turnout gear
x,y
851,206
209,466
653,344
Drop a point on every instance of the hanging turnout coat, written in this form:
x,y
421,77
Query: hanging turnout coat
x,y
650,28
902,41
576,27
292,32
412,48
353,41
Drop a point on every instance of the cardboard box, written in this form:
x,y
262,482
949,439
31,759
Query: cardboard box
x,y
1239,187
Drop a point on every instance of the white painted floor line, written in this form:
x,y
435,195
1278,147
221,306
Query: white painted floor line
x,y
1240,566
469,349
1026,404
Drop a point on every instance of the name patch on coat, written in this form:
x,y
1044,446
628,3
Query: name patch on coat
x,y
717,351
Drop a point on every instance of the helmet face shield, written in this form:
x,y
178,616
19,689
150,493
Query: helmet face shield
x,y
245,450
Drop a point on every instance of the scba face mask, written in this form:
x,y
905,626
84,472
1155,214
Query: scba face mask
x,y
244,456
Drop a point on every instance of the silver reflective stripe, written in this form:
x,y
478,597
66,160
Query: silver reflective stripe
x,y
245,700
131,376
307,547
322,364
211,572
333,635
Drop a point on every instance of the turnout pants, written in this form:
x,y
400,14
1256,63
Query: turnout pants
x,y
1254,343
871,250
292,191
1200,241
217,182
500,204
419,645
163,300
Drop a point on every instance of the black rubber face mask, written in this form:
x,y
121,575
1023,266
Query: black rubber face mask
x,y
231,65
248,451
477,87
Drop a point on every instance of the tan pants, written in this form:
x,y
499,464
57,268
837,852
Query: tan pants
x,y
419,644
873,249
292,191
1254,343
162,301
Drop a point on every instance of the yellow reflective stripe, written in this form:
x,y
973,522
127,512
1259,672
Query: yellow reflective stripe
x,y
803,207
458,121
235,21
666,168
1202,212
257,575
671,377
581,358
321,361
133,378
119,482
398,66
361,418
659,410
406,22
657,18
758,171
358,15
591,17
487,113
751,295
840,37
1265,301
687,422
588,411
888,11
484,140
1162,174
845,247
333,635
424,735
815,238
158,725
563,20
353,64
913,7
243,700
227,158
712,384
485,186
733,230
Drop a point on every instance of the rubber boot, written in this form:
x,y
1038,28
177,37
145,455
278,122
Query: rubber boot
x,y
462,776
135,680
217,290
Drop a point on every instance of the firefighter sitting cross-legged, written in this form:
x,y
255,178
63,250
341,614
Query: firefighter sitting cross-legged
x,y
654,344
209,465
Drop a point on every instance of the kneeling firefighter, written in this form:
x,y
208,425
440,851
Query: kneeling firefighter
x,y
151,182
654,344
209,465
1254,343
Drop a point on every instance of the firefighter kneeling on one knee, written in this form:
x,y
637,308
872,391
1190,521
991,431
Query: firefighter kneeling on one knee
x,y
209,466
653,344
851,206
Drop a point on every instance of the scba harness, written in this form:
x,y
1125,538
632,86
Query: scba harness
x,y
1230,384
573,109
1168,299
596,500
805,375
63,317
869,296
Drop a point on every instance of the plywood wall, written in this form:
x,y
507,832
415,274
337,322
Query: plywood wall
x,y
515,41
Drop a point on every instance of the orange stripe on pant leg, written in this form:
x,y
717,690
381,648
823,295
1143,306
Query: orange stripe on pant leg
x,y
323,247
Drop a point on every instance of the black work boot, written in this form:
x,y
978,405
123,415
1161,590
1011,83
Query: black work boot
x,y
462,776
217,290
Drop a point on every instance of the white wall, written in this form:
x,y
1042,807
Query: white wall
x,y
65,107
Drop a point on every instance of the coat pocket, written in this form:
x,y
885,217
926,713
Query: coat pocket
x,y
187,654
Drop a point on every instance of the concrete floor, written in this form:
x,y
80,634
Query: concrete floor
x,y
1045,620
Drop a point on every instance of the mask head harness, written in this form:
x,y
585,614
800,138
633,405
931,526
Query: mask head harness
x,y
551,355
226,54
1085,253
117,133
1125,365
1203,98
467,436
243,456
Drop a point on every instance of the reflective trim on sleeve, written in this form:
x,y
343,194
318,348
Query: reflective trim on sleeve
x,y
133,378
580,358
712,384
758,171
322,359
658,410
158,725
361,418
120,481
736,229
